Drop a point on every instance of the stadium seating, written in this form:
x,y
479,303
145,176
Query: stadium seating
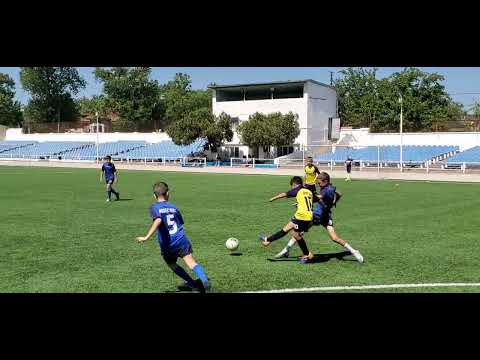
x,y
69,150
413,153
165,149
469,156
38,150
111,148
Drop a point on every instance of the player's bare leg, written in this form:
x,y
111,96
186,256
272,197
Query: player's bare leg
x,y
333,235
109,191
266,241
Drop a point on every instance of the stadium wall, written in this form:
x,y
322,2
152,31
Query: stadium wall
x,y
322,104
465,140
16,134
243,109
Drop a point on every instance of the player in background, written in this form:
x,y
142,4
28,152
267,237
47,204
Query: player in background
x,y
174,243
300,222
111,175
322,215
348,166
311,173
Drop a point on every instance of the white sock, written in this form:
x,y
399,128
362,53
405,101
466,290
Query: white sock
x,y
290,243
349,248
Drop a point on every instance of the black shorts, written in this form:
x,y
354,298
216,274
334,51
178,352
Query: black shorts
x,y
171,257
312,188
301,225
324,220
349,169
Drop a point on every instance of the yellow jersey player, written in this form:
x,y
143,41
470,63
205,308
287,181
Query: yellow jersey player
x,y
311,173
300,222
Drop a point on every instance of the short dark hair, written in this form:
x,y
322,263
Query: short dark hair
x,y
108,157
308,158
297,180
324,176
160,188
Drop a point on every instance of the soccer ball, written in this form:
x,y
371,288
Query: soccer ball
x,y
232,244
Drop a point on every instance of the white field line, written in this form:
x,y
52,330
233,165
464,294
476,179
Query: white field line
x,y
364,287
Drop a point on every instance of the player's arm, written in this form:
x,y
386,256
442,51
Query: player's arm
x,y
153,228
116,174
317,172
338,196
318,198
279,196
101,174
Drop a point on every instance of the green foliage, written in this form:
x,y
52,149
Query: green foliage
x,y
51,90
131,95
476,109
273,129
190,117
365,101
10,110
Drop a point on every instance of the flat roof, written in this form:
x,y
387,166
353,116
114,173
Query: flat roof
x,y
287,82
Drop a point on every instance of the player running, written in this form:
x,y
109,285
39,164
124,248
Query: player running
x,y
311,173
300,222
111,176
322,215
173,241
348,167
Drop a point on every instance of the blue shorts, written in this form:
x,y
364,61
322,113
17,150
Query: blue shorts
x,y
171,256
325,220
109,180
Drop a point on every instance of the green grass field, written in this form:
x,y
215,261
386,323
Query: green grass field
x,y
59,235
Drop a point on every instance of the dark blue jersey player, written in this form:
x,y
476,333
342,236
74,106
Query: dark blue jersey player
x,y
322,212
174,243
322,215
111,175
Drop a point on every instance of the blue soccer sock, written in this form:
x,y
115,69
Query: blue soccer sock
x,y
183,274
198,270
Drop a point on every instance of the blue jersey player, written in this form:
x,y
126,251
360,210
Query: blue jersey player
x,y
174,243
111,175
322,215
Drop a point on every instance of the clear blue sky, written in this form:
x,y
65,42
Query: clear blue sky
x,y
457,80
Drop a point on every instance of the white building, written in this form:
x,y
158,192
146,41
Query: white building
x,y
314,103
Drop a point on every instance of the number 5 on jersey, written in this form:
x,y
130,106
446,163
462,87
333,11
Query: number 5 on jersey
x,y
171,223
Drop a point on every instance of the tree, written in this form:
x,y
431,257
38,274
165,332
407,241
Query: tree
x,y
365,101
51,90
357,93
273,129
131,95
180,99
189,115
10,110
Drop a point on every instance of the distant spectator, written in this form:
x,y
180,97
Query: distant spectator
x,y
217,162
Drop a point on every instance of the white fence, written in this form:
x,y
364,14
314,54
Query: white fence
x,y
157,160
379,158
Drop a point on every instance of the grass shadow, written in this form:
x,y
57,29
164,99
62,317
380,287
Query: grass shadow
x,y
236,254
320,258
